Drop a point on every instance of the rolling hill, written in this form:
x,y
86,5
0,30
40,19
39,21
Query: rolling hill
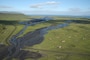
x,y
12,16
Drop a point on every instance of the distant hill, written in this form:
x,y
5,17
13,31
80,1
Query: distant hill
x,y
12,16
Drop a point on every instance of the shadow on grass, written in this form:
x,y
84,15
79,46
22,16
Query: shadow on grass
x,y
8,22
73,21
5,22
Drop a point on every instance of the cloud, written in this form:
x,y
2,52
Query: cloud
x,y
75,10
43,12
78,11
51,2
39,5
35,6
49,12
2,6
70,11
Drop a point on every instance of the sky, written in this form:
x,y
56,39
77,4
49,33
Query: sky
x,y
47,7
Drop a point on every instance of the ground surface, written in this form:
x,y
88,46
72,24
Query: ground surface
x,y
68,43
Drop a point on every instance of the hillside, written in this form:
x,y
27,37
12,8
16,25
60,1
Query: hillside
x,y
68,43
12,16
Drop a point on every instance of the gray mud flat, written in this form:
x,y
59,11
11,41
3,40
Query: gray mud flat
x,y
29,39
21,55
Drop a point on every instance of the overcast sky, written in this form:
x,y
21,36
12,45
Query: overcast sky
x,y
47,7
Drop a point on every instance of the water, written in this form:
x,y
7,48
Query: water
x,y
36,21
31,38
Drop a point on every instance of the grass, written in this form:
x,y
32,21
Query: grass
x,y
68,34
5,33
7,16
76,39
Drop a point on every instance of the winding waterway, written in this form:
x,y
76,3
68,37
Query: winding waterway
x,y
31,38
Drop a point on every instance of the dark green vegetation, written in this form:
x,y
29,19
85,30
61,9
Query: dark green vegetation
x,y
69,43
10,16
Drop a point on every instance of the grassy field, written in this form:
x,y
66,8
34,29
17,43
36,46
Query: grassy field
x,y
7,16
68,43
70,40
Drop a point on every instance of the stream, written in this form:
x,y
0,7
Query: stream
x,y
31,38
